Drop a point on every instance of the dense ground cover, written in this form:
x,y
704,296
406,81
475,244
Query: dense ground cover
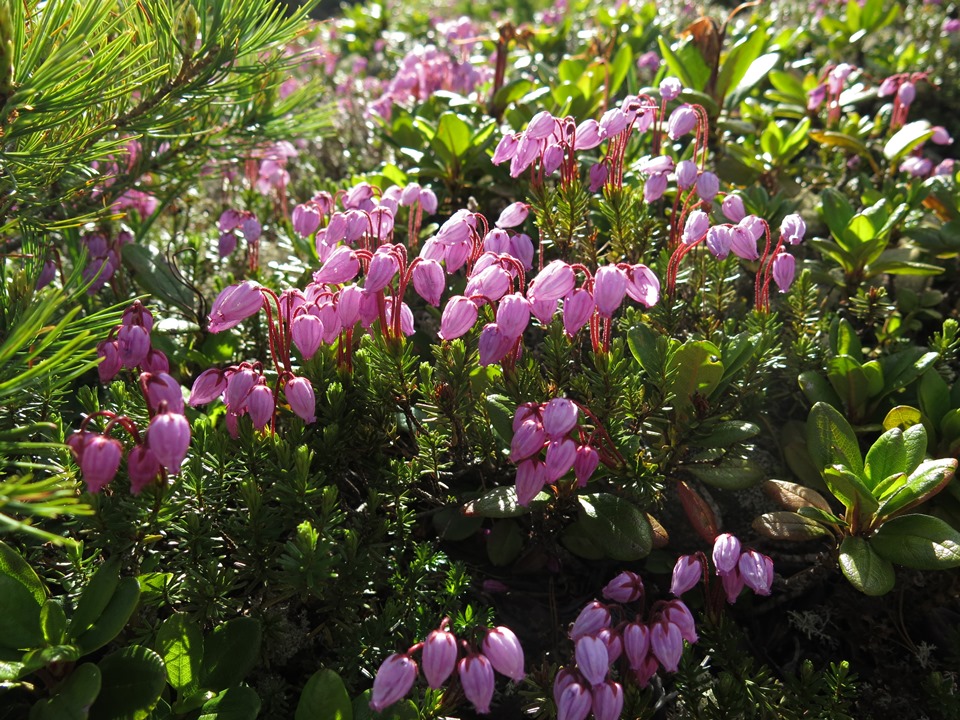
x,y
536,361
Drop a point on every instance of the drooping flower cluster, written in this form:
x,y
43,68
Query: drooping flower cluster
x,y
167,439
500,650
245,223
103,255
548,442
639,647
736,568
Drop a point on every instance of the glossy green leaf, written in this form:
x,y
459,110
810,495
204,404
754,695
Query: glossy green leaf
x,y
888,455
864,568
783,525
113,618
616,526
19,616
501,502
578,540
72,698
95,597
132,680
53,623
918,541
229,653
758,70
817,389
926,481
848,379
902,416
738,60
934,395
730,474
728,432
324,697
14,566
831,138
504,542
451,524
501,417
695,368
850,490
873,372
844,339
180,644
235,703
831,440
906,139
453,136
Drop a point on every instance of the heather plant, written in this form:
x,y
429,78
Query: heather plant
x,y
407,365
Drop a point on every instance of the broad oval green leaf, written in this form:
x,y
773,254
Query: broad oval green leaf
x,y
501,502
907,138
728,432
14,566
180,644
324,697
831,440
616,526
918,541
132,679
926,481
888,455
864,568
235,703
229,653
113,618
95,597
783,525
731,474
19,616
504,542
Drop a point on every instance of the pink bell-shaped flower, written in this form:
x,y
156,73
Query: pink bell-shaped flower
x,y
708,185
553,282
624,588
552,159
383,268
541,125
99,460
719,238
528,440
439,657
670,88
561,454
679,614
686,174
393,681
340,266
586,464
239,385
300,396
155,362
591,655
142,468
503,649
756,570
742,243
726,553
687,572
654,187
597,175
494,344
732,584
636,643
666,644
607,700
682,121
578,306
694,230
531,477
587,135
476,679
168,436
234,305
609,289
208,386
161,388
513,215
111,364
306,331
560,417
506,148
793,228
732,208
306,219
348,305
643,286
513,315
429,281
261,405
591,620
784,268
575,702
133,344
613,643
459,315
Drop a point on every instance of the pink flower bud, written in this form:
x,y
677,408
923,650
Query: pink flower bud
x,y
552,159
494,344
636,644
816,97
306,331
792,229
543,310
528,440
733,209
654,187
598,175
560,416
666,644
300,396
592,619
429,281
726,553
553,282
393,681
607,701
506,148
226,244
458,228
99,459
889,85
142,467
561,455
261,405
695,228
497,241
941,136
837,77
531,477
708,185
239,385
459,315
234,305
592,658
686,174
742,243
230,219
757,571
513,315
490,283
670,88
719,238
111,363
161,388
587,135
513,215
348,305
428,201
382,221
168,437
609,289
306,219
541,125
575,702
578,306
133,344
439,657
586,464
410,194
732,584
383,268
251,228
686,574
624,588
503,649
526,411
476,679
906,94
358,196
208,386
784,268
340,266
613,122
679,614
682,121
643,286
613,643
155,362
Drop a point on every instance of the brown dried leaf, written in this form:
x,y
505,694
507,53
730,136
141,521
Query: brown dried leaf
x,y
788,526
793,496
